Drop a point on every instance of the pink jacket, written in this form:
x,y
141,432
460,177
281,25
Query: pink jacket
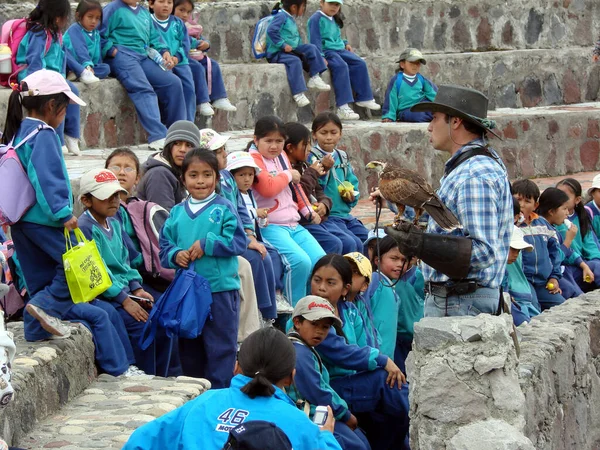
x,y
272,191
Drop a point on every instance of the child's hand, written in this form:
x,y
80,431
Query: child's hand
x,y
262,213
114,53
295,176
321,210
387,120
287,48
596,58
348,196
71,224
183,259
349,48
260,248
174,60
588,275
395,375
143,294
326,62
571,232
196,251
318,167
327,162
553,286
352,422
315,218
203,45
135,310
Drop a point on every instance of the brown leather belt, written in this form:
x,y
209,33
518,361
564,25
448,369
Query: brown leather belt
x,y
447,290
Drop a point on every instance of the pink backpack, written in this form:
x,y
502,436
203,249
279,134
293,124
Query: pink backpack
x,y
12,34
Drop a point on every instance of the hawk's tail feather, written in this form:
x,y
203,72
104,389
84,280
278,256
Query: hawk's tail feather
x,y
442,216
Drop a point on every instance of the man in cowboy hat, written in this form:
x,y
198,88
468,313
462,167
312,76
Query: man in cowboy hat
x,y
464,268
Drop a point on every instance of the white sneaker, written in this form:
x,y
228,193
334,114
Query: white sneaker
x,y
224,104
370,104
283,306
317,83
134,371
72,145
71,76
206,110
159,145
301,100
346,113
87,77
65,150
7,354
49,323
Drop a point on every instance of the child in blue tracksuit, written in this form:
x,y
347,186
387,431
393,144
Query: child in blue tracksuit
x,y
312,318
408,88
126,32
284,46
349,73
174,33
42,48
38,236
339,181
410,289
205,233
580,236
359,372
264,372
207,72
542,266
82,41
100,191
592,206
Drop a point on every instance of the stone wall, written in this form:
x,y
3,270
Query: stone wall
x,y
470,391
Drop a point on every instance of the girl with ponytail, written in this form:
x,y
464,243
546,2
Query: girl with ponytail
x,y
265,368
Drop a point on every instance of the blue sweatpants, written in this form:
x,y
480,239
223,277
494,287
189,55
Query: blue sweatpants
x,y
576,274
71,125
545,299
352,227
298,249
349,75
366,392
569,287
264,282
102,70
406,115
403,348
200,86
147,85
212,354
217,85
184,73
350,439
278,267
293,65
329,241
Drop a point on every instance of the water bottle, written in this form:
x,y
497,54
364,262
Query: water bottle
x,y
155,56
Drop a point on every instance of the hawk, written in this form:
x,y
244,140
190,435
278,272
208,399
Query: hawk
x,y
403,187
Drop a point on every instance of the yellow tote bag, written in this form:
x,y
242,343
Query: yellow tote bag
x,y
85,271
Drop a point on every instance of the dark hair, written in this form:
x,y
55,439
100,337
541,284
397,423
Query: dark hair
x,y
267,356
44,16
16,103
551,198
167,153
201,154
386,244
584,219
124,151
526,188
177,3
287,4
323,119
516,207
469,126
86,6
296,134
267,125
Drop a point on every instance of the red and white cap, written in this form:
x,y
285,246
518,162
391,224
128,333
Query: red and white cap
x,y
101,183
48,82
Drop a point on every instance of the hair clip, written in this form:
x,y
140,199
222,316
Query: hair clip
x,y
15,87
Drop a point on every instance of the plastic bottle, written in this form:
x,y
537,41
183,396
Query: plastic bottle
x,y
156,57
5,59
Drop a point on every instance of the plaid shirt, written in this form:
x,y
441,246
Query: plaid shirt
x,y
597,48
478,193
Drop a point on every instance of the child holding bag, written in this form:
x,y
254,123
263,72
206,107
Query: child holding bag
x,y
39,237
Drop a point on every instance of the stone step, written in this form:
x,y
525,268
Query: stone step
x,y
46,375
105,414
510,79
537,142
389,26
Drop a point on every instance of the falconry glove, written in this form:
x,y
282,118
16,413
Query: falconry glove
x,y
450,255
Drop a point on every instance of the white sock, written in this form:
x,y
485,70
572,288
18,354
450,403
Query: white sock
x,y
344,106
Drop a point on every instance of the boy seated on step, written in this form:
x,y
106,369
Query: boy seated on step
x,y
407,88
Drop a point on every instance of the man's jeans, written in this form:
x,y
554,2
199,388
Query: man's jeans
x,y
483,300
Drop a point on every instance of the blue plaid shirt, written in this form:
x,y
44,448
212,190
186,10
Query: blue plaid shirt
x,y
478,193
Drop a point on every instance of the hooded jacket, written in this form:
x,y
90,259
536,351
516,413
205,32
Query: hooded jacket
x,y
159,184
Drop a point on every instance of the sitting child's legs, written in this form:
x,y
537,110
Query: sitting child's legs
x,y
545,298
102,70
200,85
217,85
184,74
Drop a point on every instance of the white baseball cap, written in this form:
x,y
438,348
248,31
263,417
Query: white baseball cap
x,y
211,139
517,240
237,160
595,183
47,82
101,183
313,308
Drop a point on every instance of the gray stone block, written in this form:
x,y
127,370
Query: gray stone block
x,y
489,435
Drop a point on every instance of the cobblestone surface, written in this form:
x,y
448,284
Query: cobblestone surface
x,y
105,414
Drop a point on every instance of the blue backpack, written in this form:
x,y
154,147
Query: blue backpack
x,y
182,310
259,40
